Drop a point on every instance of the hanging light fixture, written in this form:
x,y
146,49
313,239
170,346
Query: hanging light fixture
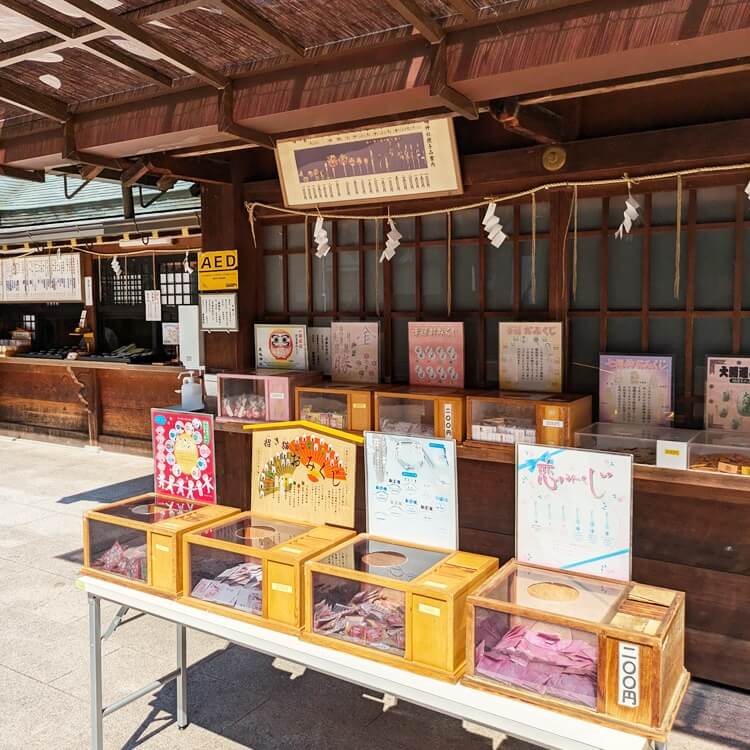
x,y
321,239
493,227
393,240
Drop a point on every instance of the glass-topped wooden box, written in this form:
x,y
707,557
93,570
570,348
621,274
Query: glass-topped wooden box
x,y
261,395
138,541
398,603
343,407
426,412
580,644
720,451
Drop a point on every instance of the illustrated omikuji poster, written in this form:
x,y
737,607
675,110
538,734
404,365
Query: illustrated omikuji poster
x,y
184,455
319,346
436,354
411,489
728,393
355,352
304,474
574,510
281,347
530,357
635,389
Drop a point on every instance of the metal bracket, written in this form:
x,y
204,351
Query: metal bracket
x,y
117,620
72,195
388,700
150,202
495,737
294,670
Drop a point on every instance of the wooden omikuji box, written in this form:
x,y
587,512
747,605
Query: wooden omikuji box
x,y
251,567
343,407
509,418
394,602
605,650
138,541
426,412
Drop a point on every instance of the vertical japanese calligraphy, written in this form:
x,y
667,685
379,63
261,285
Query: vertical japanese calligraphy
x,y
530,357
355,352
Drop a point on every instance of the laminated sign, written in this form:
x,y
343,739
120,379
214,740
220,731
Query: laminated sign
x,y
217,271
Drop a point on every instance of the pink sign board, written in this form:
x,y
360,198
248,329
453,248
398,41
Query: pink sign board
x,y
355,352
728,394
436,354
635,389
184,455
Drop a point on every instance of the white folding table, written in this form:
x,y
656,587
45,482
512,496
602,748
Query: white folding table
x,y
539,726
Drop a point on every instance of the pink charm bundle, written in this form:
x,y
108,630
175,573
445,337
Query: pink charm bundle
x,y
240,587
125,561
247,406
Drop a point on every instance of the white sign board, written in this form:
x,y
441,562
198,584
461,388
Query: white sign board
x,y
574,510
152,298
411,489
219,312
671,454
42,278
319,344
170,334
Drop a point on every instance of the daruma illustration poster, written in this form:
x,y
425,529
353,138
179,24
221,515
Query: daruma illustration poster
x,y
184,455
436,354
281,347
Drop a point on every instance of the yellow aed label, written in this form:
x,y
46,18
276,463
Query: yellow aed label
x,y
162,548
293,550
435,585
359,406
281,587
217,270
426,609
671,452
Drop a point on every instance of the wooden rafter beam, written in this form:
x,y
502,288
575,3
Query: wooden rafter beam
x,y
191,169
32,101
230,127
22,174
419,18
443,91
133,173
162,9
466,8
530,121
121,59
262,28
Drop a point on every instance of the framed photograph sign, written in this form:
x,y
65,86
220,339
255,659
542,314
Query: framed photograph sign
x,y
407,160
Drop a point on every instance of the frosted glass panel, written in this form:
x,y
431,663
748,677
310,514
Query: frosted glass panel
x,y
623,335
542,266
745,337
714,269
625,271
587,294
589,213
297,283
403,277
434,227
322,283
466,277
466,223
471,352
400,349
347,232
273,289
664,208
716,203
373,282
491,337
348,289
375,232
583,375
662,271
746,270
542,217
667,336
435,279
710,336
499,276
295,236
273,237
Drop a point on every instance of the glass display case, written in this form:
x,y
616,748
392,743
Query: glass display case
x,y
251,567
393,602
639,440
138,540
426,412
260,396
506,419
345,407
720,451
580,643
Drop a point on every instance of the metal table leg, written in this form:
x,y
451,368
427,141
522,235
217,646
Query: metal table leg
x,y
182,713
95,664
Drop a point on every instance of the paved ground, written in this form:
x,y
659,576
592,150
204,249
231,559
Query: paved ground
x,y
237,700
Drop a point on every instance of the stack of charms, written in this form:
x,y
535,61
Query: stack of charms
x,y
124,561
240,587
327,418
396,427
362,613
541,662
245,406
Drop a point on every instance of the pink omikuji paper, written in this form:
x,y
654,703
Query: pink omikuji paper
x,y
436,354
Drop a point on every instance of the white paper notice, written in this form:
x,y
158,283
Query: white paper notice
x,y
170,334
671,454
88,287
411,489
219,312
152,298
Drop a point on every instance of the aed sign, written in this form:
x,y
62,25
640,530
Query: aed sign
x,y
628,675
217,270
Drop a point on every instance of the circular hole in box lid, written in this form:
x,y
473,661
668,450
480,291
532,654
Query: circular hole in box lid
x,y
553,592
152,509
386,559
256,532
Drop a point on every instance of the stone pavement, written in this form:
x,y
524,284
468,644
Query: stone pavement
x,y
237,699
